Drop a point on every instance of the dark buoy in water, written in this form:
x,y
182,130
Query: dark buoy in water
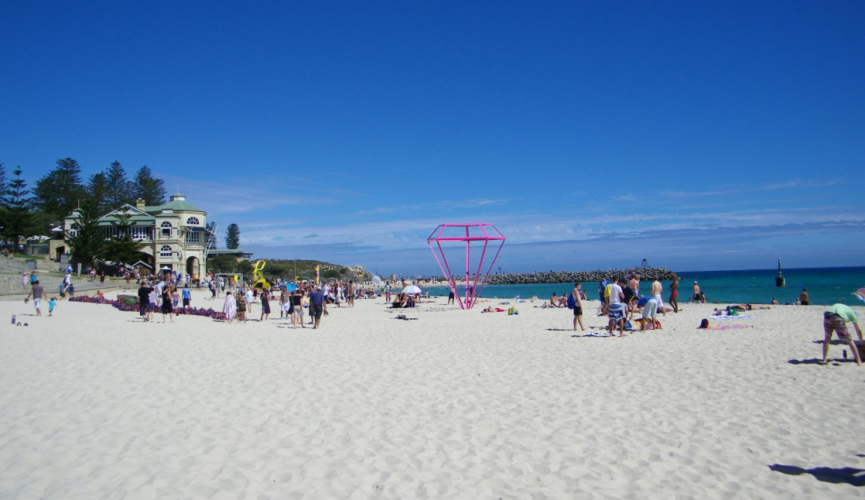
x,y
779,281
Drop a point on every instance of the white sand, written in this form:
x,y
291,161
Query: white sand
x,y
95,404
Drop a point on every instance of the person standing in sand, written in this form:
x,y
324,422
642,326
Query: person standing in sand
x,y
265,305
296,309
835,318
804,299
674,294
617,310
229,307
167,309
316,306
578,307
698,295
657,290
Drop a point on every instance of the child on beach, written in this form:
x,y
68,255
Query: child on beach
x,y
51,304
241,307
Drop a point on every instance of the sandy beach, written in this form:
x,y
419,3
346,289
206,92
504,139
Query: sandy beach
x,y
97,404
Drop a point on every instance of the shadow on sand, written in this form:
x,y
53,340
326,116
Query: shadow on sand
x,y
847,475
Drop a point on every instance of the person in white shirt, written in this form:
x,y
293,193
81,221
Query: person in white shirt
x,y
250,298
617,311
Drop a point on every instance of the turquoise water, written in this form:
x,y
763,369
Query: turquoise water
x,y
825,286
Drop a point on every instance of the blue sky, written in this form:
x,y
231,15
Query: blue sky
x,y
697,135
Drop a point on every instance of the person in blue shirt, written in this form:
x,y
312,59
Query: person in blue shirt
x,y
187,297
316,305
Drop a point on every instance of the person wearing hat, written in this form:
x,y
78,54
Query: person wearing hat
x,y
698,295
835,318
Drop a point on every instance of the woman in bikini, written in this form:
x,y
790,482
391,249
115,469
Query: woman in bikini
x,y
674,294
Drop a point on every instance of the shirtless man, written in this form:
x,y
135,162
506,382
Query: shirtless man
x,y
804,299
657,289
698,295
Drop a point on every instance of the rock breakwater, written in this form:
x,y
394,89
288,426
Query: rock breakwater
x,y
648,273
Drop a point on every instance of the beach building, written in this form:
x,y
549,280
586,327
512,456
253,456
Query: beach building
x,y
174,233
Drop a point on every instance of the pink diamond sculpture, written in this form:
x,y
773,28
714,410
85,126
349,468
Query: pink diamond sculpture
x,y
468,233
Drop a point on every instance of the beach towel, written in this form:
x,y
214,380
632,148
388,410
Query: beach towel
x,y
741,316
728,327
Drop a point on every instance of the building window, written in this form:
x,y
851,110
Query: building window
x,y
166,229
192,221
193,237
165,251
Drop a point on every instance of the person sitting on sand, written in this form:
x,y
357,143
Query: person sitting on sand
x,y
554,301
835,318
775,301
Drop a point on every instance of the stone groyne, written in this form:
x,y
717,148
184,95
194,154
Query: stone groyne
x,y
646,274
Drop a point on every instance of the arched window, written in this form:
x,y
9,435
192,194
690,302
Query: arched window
x,y
192,221
166,229
165,251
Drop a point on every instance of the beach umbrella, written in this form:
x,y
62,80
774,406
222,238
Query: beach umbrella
x,y
411,290
376,280
290,287
860,294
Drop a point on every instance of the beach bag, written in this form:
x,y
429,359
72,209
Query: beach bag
x,y
571,302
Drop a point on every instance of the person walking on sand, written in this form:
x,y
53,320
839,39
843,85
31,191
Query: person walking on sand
x,y
657,290
835,318
249,298
36,291
265,305
316,306
143,300
577,299
167,309
296,309
674,294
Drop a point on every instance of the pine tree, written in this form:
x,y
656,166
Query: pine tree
x,y
119,189
17,218
148,188
122,246
97,193
232,237
61,190
86,239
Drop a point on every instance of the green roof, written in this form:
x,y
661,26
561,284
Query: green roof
x,y
176,205
136,220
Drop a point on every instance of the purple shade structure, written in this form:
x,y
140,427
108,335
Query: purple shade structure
x,y
468,233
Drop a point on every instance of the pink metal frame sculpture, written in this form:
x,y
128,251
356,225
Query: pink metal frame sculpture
x,y
474,286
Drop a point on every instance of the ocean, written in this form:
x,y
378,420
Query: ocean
x,y
826,286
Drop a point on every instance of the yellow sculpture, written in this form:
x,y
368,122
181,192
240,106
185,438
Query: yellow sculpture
x,y
258,276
